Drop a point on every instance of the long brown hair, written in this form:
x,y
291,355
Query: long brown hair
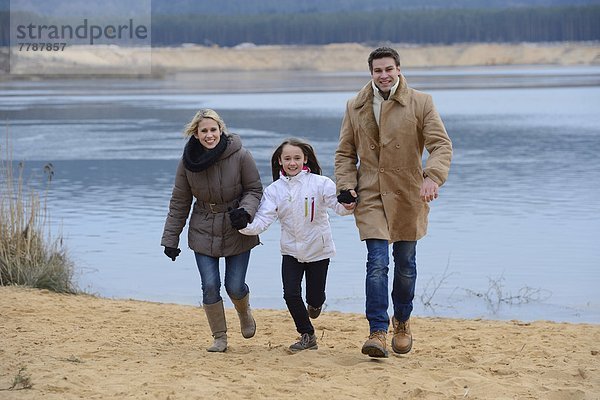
x,y
307,150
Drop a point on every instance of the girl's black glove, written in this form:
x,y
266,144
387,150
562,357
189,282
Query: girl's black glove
x,y
239,218
346,197
172,252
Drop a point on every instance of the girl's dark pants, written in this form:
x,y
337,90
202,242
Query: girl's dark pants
x,y
292,272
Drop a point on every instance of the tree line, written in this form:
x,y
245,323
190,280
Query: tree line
x,y
416,26
434,26
254,7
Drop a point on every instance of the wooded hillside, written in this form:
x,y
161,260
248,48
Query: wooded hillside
x,y
309,22
416,26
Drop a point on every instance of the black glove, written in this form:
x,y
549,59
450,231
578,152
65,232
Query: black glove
x,y
172,252
346,197
239,218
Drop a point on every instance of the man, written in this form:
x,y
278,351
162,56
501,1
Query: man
x,y
378,165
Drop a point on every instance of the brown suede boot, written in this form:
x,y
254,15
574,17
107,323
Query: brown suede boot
x,y
247,323
376,346
215,313
402,339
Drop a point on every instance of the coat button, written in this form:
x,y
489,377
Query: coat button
x,y
372,147
398,146
381,170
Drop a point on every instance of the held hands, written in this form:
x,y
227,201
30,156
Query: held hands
x,y
348,199
172,252
239,218
429,190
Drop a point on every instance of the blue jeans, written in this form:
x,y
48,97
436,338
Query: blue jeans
x,y
235,277
376,285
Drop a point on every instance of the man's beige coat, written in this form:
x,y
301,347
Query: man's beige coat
x,y
384,164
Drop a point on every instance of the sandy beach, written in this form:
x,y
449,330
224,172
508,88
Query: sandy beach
x,y
55,346
163,61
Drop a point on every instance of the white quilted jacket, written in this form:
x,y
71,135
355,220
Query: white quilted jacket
x,y
300,203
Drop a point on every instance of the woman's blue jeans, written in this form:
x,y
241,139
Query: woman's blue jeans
x,y
235,276
403,290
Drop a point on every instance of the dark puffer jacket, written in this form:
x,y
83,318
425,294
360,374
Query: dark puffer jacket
x,y
231,181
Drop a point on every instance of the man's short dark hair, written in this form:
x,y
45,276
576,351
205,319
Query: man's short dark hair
x,y
383,52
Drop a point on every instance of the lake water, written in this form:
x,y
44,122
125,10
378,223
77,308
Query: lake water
x,y
514,234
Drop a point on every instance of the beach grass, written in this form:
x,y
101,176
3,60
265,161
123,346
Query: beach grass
x,y
30,255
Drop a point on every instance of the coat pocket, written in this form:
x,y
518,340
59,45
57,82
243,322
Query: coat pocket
x,y
407,184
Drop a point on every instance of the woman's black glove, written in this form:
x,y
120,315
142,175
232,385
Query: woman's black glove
x,y
172,252
345,197
239,218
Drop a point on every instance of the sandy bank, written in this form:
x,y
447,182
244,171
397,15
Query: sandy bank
x,y
353,57
334,57
70,347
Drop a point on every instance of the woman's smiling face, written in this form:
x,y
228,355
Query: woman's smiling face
x,y
208,133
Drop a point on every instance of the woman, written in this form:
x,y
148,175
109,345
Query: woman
x,y
222,176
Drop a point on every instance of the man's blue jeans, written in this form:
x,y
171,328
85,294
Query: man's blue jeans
x,y
235,276
405,277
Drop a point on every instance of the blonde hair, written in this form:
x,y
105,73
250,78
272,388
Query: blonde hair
x,y
192,127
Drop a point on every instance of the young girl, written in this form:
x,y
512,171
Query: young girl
x,y
299,196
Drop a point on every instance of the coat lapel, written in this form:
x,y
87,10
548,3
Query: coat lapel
x,y
401,94
364,107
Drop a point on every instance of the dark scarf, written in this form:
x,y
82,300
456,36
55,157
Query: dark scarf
x,y
197,158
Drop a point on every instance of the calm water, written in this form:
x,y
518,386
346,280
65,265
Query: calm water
x,y
514,234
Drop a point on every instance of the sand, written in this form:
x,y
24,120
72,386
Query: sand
x,y
161,61
85,347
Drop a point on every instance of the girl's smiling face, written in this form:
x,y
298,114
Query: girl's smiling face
x,y
292,160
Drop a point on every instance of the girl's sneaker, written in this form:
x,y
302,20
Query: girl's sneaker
x,y
313,312
306,342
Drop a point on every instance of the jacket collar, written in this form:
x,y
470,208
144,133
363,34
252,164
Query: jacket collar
x,y
377,93
234,144
365,95
298,177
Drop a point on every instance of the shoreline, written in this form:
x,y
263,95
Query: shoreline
x,y
74,346
427,79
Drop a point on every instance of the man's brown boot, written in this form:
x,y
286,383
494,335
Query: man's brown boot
x,y
376,346
402,339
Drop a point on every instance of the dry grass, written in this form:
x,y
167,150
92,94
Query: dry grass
x,y
29,254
